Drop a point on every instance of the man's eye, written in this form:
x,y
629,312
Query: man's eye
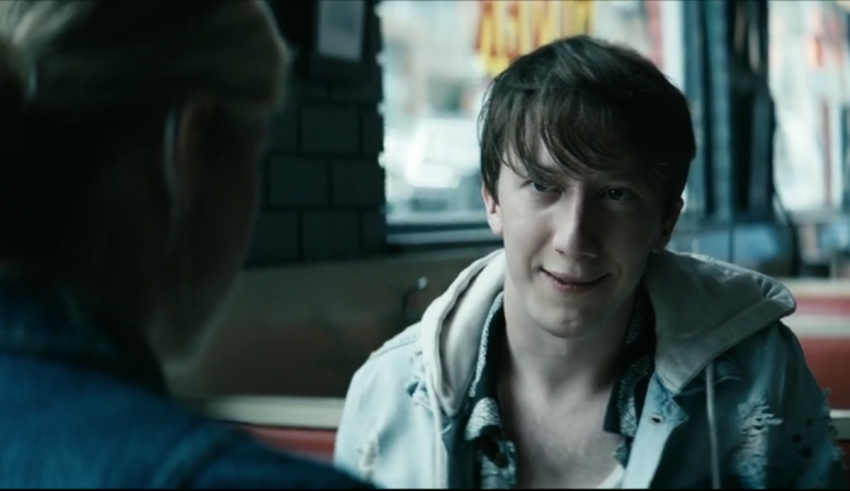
x,y
619,194
542,188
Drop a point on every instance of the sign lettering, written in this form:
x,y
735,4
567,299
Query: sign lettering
x,y
511,28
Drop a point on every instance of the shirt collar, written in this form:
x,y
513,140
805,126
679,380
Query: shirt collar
x,y
628,394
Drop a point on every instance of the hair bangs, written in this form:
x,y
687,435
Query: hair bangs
x,y
577,131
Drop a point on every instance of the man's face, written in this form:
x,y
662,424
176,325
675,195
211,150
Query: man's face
x,y
576,248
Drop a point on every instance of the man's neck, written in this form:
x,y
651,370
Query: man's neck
x,y
553,366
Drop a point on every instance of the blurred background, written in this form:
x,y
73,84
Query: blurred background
x,y
372,191
768,83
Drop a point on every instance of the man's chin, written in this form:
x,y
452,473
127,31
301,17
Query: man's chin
x,y
574,325
567,331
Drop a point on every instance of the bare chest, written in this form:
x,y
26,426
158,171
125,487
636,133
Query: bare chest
x,y
562,447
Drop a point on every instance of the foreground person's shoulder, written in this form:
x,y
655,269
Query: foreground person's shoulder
x,y
247,464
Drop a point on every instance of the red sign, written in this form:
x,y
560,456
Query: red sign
x,y
510,28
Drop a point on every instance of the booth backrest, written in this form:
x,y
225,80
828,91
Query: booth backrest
x,y
318,444
829,360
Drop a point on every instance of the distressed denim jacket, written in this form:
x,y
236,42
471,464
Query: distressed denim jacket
x,y
730,402
83,408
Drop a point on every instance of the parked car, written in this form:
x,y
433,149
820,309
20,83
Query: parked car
x,y
432,167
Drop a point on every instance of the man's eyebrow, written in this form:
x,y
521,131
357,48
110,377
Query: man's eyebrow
x,y
621,176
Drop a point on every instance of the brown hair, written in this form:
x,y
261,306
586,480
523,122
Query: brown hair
x,y
594,106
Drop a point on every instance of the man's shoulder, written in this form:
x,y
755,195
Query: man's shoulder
x,y
401,342
103,432
380,389
394,359
245,463
779,353
210,454
776,338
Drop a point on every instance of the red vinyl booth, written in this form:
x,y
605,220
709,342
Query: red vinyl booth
x,y
318,444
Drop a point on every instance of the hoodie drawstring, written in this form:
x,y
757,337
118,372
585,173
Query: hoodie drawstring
x,y
712,426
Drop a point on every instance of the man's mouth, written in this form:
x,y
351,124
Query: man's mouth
x,y
572,282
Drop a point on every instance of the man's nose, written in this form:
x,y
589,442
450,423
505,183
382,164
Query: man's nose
x,y
574,229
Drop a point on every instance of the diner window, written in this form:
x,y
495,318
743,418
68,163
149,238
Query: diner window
x,y
810,84
439,57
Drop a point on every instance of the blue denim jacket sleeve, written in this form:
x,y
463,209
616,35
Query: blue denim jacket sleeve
x,y
250,465
806,452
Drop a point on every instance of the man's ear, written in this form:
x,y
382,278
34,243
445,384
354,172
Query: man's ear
x,y
186,146
667,226
494,211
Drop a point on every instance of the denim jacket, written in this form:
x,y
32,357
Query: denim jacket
x,y
731,402
83,407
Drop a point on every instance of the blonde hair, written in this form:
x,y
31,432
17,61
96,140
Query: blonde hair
x,y
76,78
67,54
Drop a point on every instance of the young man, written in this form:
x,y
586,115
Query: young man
x,y
584,354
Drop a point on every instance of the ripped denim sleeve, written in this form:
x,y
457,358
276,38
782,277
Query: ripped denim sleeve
x,y
803,450
756,423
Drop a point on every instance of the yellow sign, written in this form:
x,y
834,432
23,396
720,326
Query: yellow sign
x,y
511,28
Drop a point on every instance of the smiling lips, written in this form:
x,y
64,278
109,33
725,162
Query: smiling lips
x,y
574,283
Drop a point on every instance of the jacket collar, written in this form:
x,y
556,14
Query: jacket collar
x,y
43,321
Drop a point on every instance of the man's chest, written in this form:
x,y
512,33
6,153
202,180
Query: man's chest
x,y
563,447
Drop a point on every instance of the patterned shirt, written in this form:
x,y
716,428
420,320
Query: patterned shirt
x,y
495,453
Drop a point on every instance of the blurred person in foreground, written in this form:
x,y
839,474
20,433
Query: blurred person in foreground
x,y
583,354
131,133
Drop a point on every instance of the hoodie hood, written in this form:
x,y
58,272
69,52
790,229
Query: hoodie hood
x,y
703,307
